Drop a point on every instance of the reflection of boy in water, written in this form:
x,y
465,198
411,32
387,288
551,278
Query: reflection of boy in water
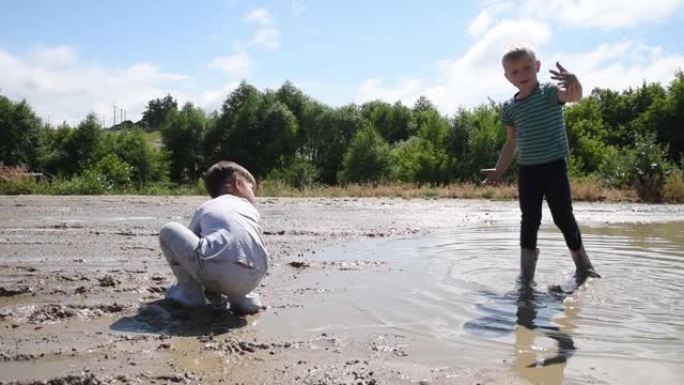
x,y
222,253
534,123
550,369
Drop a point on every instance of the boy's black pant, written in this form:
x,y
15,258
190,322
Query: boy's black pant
x,y
550,181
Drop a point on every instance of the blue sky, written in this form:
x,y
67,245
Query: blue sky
x,y
69,57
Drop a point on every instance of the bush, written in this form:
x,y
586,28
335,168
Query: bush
x,y
616,167
674,187
650,169
275,187
416,160
115,171
368,158
87,183
300,174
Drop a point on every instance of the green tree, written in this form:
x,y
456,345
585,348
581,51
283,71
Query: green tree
x,y
671,129
156,111
432,127
333,133
19,134
238,109
418,161
254,129
183,136
423,104
54,158
273,141
147,164
310,138
585,118
75,148
475,141
393,122
294,99
368,158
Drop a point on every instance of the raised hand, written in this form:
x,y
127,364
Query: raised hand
x,y
570,87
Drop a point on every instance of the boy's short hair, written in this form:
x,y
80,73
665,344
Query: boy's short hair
x,y
222,173
516,53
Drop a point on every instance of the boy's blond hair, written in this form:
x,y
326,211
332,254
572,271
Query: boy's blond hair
x,y
222,173
517,52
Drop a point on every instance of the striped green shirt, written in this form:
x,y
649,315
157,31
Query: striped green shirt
x,y
538,120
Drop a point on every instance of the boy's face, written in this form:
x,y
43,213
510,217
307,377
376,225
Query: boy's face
x,y
522,72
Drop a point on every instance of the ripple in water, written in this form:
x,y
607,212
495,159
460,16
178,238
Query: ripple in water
x,y
453,294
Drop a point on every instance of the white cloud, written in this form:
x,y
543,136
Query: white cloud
x,y
406,90
259,16
481,23
211,100
606,14
268,38
474,77
238,64
466,80
621,65
54,56
60,87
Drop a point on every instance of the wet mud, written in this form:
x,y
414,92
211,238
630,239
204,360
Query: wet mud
x,y
82,286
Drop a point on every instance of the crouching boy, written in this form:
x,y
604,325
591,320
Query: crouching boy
x,y
221,255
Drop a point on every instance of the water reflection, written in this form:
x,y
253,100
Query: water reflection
x,y
548,370
542,325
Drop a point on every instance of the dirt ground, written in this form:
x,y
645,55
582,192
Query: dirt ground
x,y
82,284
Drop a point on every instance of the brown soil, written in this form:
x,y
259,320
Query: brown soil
x,y
82,283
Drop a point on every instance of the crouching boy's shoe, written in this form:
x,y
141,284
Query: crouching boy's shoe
x,y
249,304
184,297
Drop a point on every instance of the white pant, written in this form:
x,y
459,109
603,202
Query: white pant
x,y
195,273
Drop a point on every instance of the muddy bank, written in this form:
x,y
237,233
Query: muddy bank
x,y
82,282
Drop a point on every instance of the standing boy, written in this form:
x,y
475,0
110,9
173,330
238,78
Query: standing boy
x,y
534,126
222,253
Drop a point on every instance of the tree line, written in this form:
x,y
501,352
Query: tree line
x,y
627,138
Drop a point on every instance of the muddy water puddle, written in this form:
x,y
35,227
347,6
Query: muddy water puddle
x,y
449,299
